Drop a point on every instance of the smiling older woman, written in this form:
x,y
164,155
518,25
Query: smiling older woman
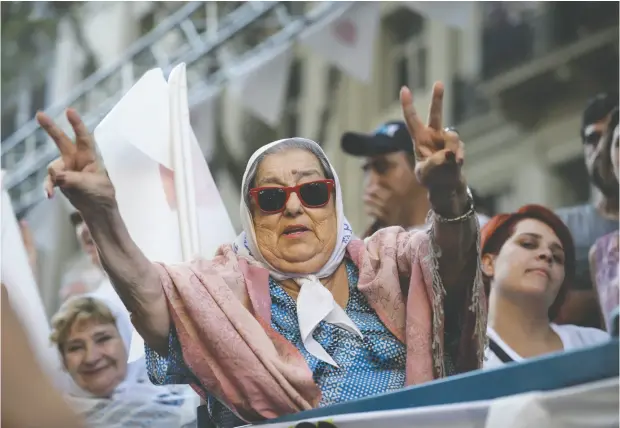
x,y
297,312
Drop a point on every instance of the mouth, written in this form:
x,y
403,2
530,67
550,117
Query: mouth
x,y
295,231
94,372
542,272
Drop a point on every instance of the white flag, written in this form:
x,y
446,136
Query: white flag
x,y
347,39
134,140
261,85
209,223
165,192
24,294
456,14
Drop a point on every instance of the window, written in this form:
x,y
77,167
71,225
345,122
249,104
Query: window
x,y
406,66
406,54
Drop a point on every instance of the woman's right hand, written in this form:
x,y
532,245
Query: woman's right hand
x,y
78,173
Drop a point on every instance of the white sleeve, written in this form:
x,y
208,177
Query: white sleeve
x,y
582,337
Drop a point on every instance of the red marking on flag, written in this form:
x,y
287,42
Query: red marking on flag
x,y
345,31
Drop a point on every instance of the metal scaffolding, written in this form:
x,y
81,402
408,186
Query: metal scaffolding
x,y
251,29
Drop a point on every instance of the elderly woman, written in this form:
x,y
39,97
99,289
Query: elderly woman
x,y
298,313
93,338
528,261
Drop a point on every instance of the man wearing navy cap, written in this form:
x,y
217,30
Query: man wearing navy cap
x,y
588,222
392,194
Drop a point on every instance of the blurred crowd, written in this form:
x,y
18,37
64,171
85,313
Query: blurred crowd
x,y
540,281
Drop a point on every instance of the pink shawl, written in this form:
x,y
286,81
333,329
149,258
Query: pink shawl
x,y
221,310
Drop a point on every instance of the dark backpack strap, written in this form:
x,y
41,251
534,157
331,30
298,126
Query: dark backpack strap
x,y
497,350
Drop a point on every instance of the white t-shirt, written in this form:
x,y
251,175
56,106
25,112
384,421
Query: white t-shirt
x,y
572,337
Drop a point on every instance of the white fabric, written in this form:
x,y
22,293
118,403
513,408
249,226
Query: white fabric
x,y
314,303
346,38
23,291
135,401
592,405
134,140
140,139
203,206
572,337
260,85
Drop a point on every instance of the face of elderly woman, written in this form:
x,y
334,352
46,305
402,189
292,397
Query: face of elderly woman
x,y
298,239
529,264
95,357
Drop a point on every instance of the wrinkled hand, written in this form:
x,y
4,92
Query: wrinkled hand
x,y
439,153
77,172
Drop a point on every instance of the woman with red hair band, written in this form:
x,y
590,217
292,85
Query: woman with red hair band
x,y
528,261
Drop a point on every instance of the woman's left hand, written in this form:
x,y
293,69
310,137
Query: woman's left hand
x,y
439,153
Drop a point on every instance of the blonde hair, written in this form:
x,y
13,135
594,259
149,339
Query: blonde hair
x,y
78,310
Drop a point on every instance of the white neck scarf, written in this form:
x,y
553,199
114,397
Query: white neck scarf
x,y
315,303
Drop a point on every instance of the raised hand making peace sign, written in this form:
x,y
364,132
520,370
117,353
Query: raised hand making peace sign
x,y
77,172
439,152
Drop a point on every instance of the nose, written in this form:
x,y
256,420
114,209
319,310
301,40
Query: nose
x,y
372,178
92,354
545,254
293,205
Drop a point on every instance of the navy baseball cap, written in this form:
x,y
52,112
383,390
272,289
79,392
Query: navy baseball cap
x,y
597,108
388,138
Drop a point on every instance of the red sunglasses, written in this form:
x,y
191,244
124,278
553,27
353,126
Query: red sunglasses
x,y
314,194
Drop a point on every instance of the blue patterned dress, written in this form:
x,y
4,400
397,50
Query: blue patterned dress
x,y
369,365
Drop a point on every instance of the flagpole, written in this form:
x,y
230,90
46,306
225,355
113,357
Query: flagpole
x,y
183,182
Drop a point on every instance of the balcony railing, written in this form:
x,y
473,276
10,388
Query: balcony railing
x,y
511,39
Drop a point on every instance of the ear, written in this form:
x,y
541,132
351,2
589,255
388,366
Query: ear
x,y
488,265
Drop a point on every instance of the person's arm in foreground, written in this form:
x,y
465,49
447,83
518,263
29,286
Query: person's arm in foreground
x,y
28,398
439,159
81,177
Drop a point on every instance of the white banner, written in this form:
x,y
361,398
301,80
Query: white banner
x,y
347,39
23,292
455,14
260,86
590,405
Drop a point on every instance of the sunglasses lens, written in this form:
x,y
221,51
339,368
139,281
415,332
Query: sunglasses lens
x,y
271,199
314,194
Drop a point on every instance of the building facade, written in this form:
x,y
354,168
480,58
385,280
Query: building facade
x,y
516,77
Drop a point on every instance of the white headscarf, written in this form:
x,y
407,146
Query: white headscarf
x,y
315,303
135,401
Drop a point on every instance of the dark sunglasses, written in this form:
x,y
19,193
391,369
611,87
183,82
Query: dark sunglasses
x,y
314,194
